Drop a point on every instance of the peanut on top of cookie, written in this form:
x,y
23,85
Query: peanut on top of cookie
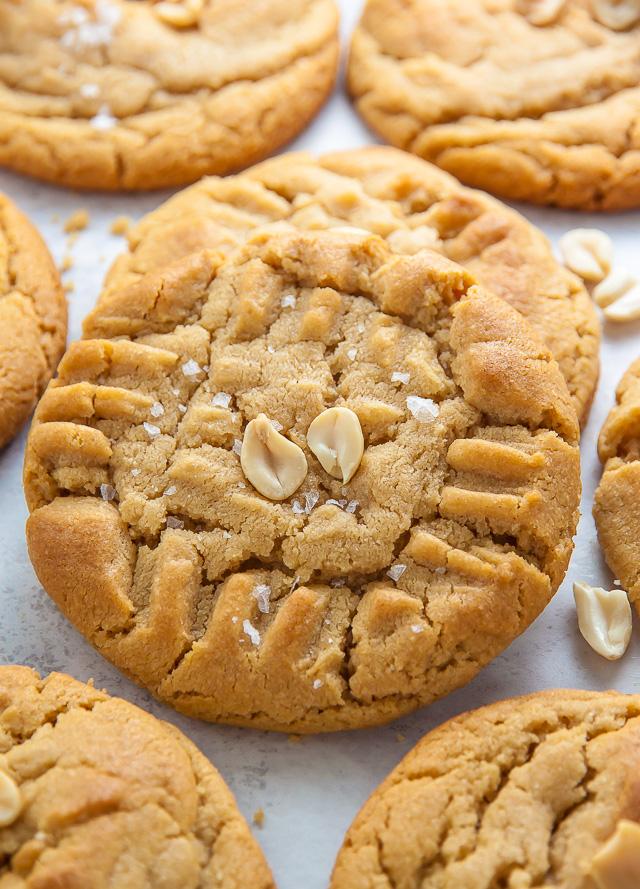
x,y
136,94
353,589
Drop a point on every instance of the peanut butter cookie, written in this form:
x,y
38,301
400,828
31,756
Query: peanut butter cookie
x,y
535,100
95,793
137,94
33,319
615,509
212,532
408,202
542,790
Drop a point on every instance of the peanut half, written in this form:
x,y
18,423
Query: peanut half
x,y
275,466
604,618
587,252
10,801
617,864
617,15
335,437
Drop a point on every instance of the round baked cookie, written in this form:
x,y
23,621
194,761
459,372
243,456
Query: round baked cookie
x,y
33,319
124,94
330,604
615,507
408,202
535,100
525,792
95,793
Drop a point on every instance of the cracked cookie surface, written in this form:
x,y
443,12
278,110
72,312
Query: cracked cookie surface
x,y
615,507
109,94
33,319
112,797
340,606
531,106
408,202
518,794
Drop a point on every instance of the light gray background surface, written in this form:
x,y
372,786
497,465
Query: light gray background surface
x,y
309,791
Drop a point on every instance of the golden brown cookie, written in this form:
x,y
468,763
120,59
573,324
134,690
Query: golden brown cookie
x,y
95,793
334,605
522,793
123,94
412,205
615,508
535,100
33,319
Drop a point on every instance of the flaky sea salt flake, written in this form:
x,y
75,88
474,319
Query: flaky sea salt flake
x,y
251,632
152,431
423,409
310,500
417,628
318,683
352,354
107,492
262,593
351,506
175,523
156,409
104,119
296,508
288,301
396,572
237,446
397,377
221,399
135,472
170,490
191,368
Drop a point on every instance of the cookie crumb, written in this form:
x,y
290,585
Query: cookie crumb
x,y
295,739
400,737
69,286
77,222
120,225
258,817
67,262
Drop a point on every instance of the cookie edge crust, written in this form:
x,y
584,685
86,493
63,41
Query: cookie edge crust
x,y
50,307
